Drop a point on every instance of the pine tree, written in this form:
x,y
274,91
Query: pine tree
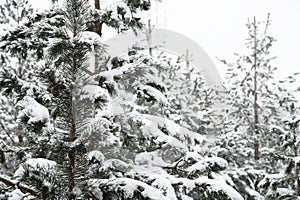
x,y
252,108
253,75
69,53
18,64
277,184
154,139
107,134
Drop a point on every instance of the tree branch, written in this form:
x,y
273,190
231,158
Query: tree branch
x,y
7,132
24,188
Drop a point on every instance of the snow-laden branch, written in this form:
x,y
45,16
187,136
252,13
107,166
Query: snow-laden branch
x,y
24,188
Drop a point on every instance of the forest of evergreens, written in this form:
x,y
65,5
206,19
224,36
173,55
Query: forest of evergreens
x,y
142,125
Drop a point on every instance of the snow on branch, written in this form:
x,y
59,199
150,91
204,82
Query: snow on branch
x,y
216,185
182,134
23,188
210,186
208,164
155,93
110,74
130,188
35,163
119,10
33,110
89,37
93,92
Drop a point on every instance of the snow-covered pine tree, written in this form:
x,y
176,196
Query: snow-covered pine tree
x,y
252,74
59,30
192,99
252,106
18,66
133,155
278,183
157,147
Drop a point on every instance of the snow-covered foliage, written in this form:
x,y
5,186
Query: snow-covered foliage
x,y
34,164
16,195
120,124
276,128
207,165
32,110
77,124
120,14
125,188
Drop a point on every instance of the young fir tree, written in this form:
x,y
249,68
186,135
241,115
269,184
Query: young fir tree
x,y
253,105
253,74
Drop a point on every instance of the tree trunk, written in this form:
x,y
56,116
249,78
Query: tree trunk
x,y
72,133
255,107
98,30
297,178
19,74
149,37
98,23
297,167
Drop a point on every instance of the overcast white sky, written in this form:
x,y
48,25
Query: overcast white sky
x,y
218,26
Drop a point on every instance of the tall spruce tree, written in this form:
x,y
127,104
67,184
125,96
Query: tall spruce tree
x,y
62,32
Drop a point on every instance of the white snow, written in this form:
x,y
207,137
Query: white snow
x,y
281,130
177,137
16,195
129,186
187,183
150,159
89,37
32,109
216,185
158,177
270,178
211,184
35,163
254,194
296,160
165,185
97,155
110,74
206,163
93,92
120,5
285,191
193,155
145,170
156,94
175,130
117,165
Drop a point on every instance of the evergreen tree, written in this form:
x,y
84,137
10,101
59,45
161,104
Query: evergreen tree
x,y
107,134
69,45
253,102
278,184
